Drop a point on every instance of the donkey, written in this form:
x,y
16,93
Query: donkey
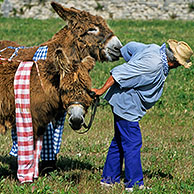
x,y
72,52
51,94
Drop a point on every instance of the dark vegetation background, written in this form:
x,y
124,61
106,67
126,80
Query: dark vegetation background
x,y
167,129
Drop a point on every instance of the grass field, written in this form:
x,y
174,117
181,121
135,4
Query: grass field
x,y
167,128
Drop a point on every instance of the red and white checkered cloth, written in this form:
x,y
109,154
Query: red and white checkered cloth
x,y
28,151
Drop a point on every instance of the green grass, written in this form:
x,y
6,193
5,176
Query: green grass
x,y
167,129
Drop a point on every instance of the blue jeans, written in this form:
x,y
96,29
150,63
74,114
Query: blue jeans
x,y
126,145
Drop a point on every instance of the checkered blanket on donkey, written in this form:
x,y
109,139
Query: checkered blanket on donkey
x,y
26,173
41,53
53,135
28,156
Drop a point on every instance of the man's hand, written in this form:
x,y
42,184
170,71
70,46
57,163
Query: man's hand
x,y
110,81
98,92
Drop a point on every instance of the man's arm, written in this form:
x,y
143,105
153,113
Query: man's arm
x,y
110,81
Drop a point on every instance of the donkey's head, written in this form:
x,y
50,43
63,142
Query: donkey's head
x,y
86,35
75,86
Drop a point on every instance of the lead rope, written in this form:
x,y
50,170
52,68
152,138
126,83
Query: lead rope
x,y
15,53
38,71
94,108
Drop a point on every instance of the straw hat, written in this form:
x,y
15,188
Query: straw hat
x,y
182,52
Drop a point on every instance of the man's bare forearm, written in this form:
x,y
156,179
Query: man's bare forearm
x,y
110,81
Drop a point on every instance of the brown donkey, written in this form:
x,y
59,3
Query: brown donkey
x,y
64,74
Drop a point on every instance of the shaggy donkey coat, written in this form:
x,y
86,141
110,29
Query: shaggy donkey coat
x,y
52,99
64,74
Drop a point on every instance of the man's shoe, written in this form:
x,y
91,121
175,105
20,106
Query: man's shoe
x,y
106,184
129,189
141,187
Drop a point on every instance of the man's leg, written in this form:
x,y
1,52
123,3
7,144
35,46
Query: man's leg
x,y
131,142
114,161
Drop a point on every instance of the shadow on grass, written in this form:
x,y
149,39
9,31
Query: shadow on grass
x,y
73,169
157,174
8,166
68,164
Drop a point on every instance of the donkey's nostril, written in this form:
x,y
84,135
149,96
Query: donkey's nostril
x,y
116,48
76,122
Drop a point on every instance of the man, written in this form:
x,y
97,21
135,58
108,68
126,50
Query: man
x,y
135,87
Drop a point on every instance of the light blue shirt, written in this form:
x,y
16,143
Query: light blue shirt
x,y
139,81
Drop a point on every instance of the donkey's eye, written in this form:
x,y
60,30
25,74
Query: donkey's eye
x,y
94,30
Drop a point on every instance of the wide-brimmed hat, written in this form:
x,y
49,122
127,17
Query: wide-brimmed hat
x,y
182,52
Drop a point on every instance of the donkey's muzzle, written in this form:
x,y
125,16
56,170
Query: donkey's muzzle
x,y
76,114
112,49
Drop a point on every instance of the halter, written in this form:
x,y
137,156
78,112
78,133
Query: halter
x,y
105,39
95,103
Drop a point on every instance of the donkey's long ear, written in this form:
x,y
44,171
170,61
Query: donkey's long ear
x,y
64,13
61,61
